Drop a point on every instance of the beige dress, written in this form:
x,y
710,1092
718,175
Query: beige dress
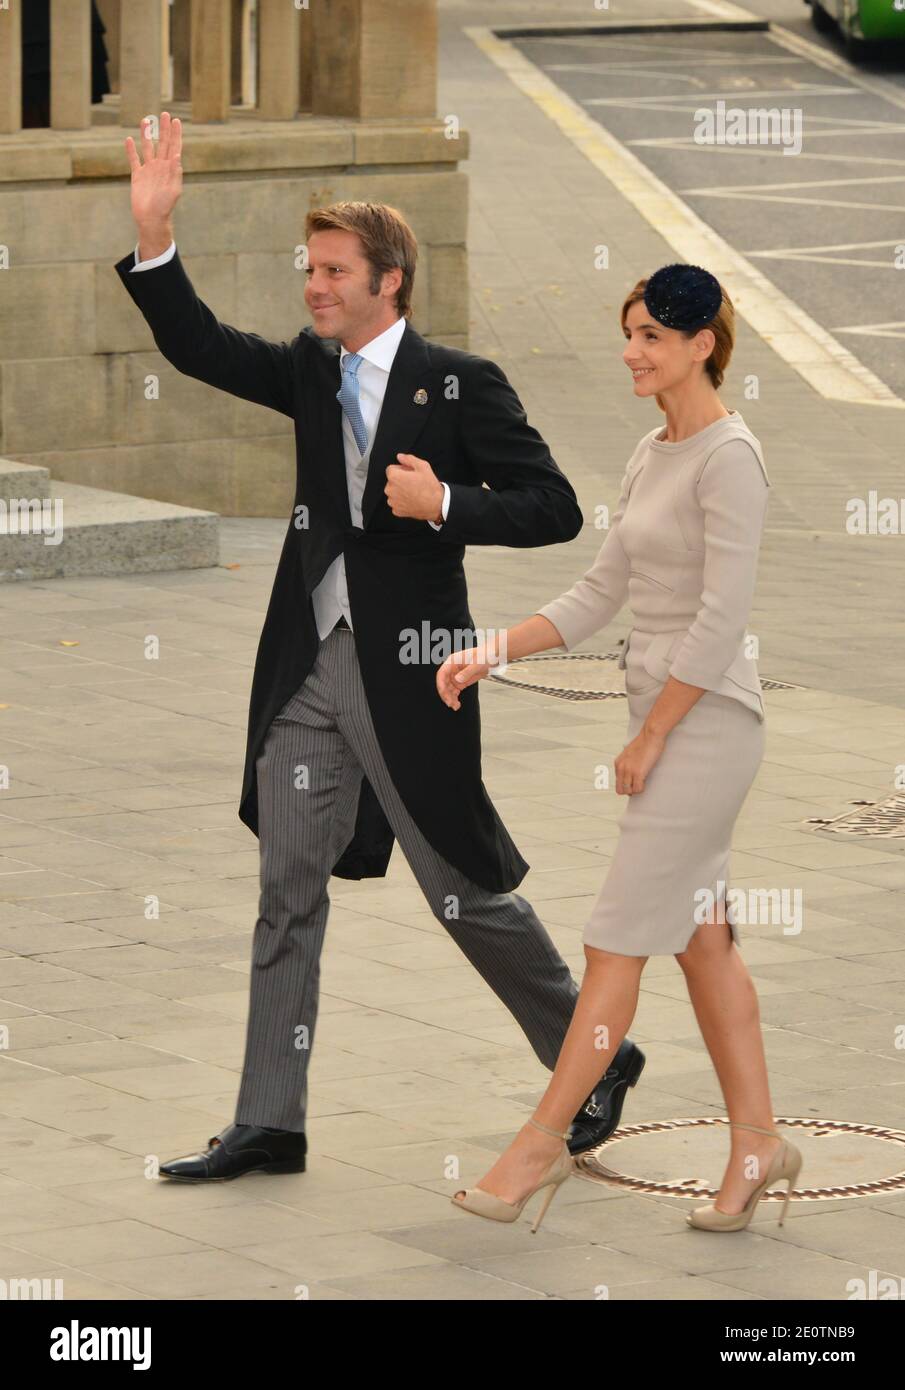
x,y
682,548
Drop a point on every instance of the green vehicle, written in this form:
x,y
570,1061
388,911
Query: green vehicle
x,y
860,22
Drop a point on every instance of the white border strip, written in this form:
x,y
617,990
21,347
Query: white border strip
x,y
828,367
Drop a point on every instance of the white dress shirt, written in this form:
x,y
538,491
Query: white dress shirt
x,y
331,597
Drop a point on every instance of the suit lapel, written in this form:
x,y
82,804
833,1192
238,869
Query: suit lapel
x,y
401,421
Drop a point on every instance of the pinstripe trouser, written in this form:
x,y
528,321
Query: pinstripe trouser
x,y
309,774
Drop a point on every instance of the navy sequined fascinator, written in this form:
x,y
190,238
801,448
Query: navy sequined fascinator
x,y
683,296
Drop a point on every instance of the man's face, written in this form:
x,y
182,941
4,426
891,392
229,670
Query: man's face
x,y
338,291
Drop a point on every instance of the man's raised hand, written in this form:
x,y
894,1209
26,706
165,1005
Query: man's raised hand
x,y
156,183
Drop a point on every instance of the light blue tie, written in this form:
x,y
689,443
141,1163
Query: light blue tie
x,y
348,397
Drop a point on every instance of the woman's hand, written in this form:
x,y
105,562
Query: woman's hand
x,y
462,669
634,763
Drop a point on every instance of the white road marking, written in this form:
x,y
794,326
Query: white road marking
x,y
755,197
803,183
894,329
720,9
733,94
689,142
700,61
817,254
763,151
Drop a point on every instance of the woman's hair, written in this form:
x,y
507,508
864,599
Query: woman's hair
x,y
722,326
386,238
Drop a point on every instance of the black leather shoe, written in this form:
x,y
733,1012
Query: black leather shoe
x,y
601,1112
241,1149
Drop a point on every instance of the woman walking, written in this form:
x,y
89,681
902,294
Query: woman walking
x,y
682,548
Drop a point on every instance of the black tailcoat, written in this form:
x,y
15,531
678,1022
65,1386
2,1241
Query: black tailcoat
x,y
401,573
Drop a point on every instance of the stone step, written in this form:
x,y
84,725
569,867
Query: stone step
x,y
22,480
103,533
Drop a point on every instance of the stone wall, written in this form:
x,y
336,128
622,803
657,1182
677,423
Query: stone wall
x,y
75,352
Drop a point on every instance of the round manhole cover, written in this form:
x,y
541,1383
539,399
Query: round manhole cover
x,y
840,1158
580,676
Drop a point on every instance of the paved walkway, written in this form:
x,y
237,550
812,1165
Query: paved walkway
x,y
126,1028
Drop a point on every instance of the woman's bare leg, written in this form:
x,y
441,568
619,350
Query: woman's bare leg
x,y
603,1014
725,1004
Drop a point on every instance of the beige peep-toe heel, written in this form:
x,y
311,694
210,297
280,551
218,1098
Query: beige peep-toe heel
x,y
481,1203
786,1164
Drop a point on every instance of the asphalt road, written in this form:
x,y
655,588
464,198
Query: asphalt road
x,y
824,223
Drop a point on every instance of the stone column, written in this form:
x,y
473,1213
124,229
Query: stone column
x,y
279,24
139,54
70,64
10,70
374,58
248,44
210,60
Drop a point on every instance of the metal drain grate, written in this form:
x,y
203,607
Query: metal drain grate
x,y
580,676
883,819
590,1164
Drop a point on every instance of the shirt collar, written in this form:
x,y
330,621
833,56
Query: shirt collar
x,y
381,350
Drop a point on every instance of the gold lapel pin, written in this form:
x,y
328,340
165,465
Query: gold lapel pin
x,y
421,396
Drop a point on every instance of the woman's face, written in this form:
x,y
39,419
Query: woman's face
x,y
660,358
